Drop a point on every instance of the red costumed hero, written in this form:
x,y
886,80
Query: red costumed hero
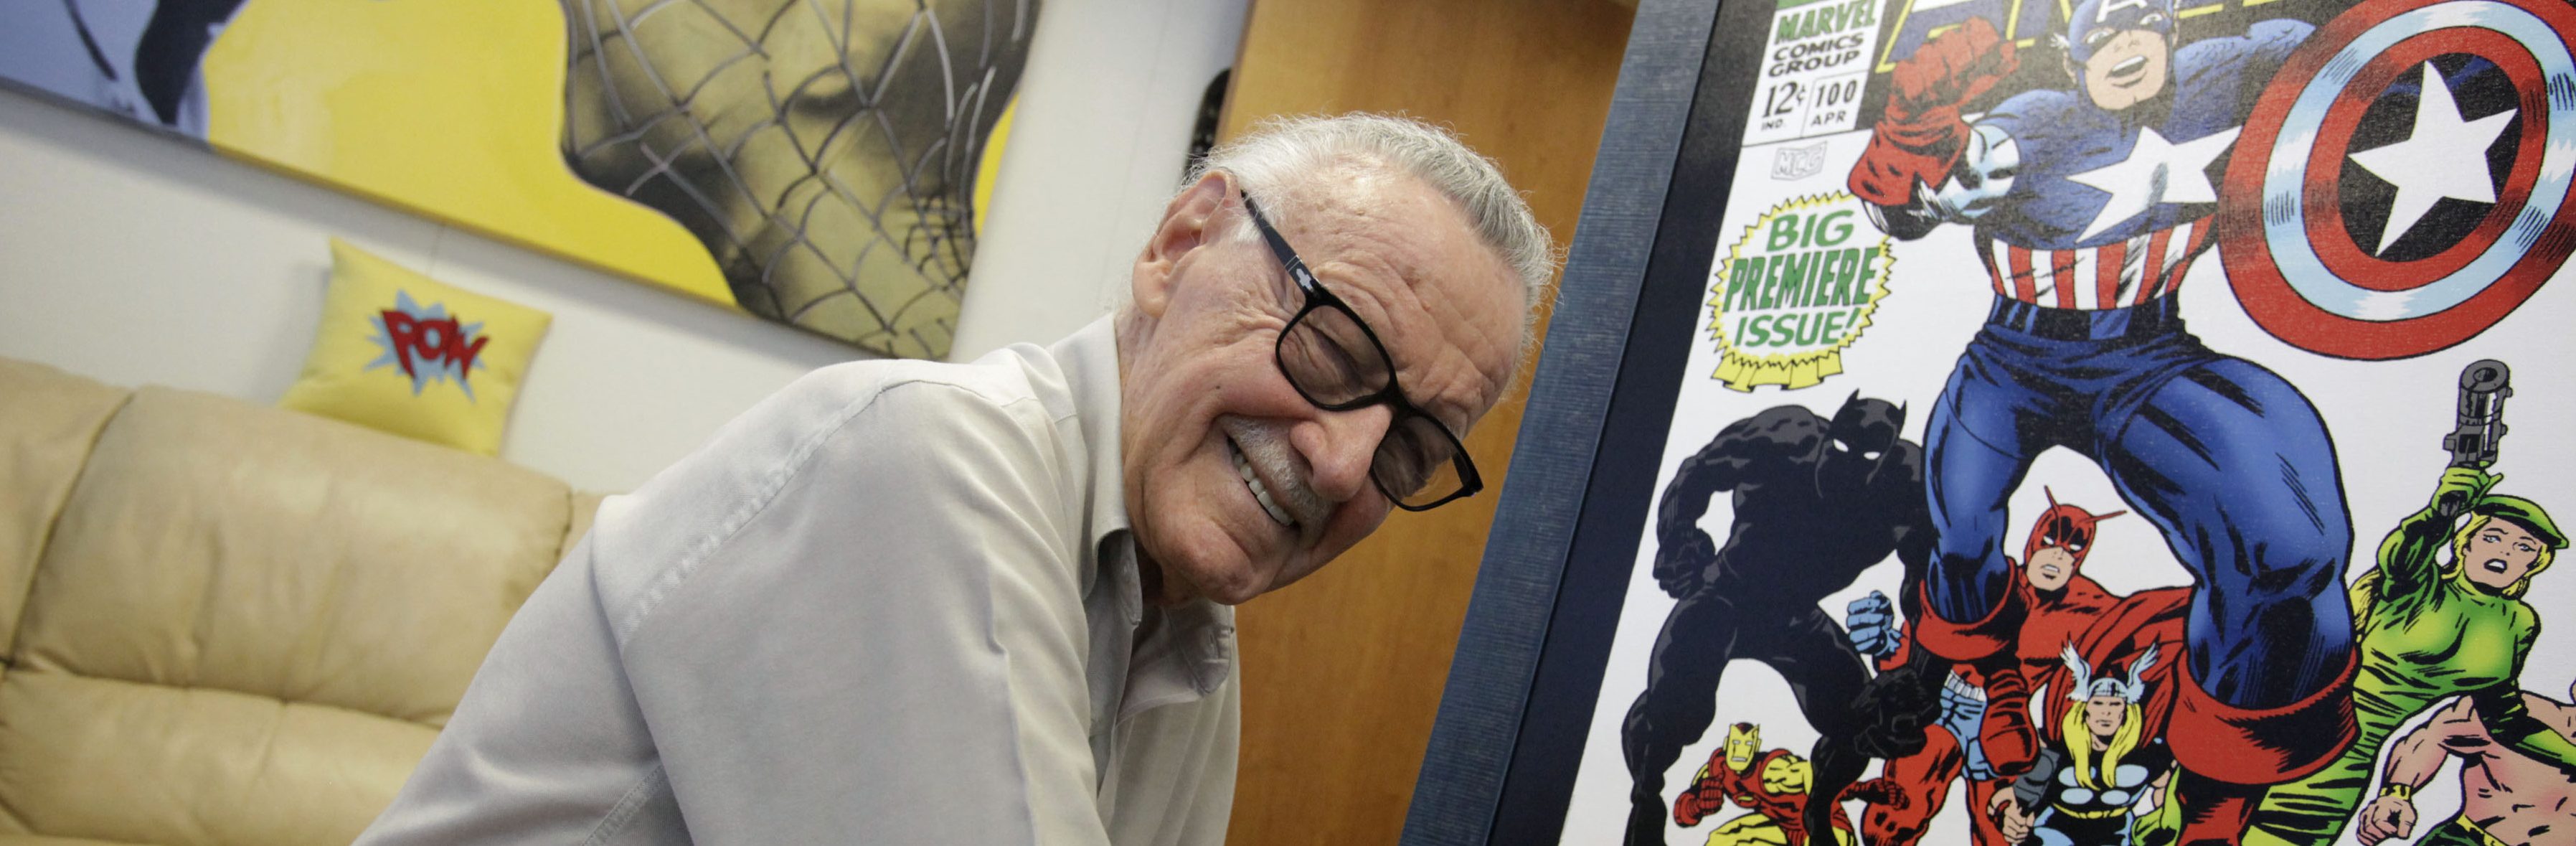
x,y
1985,733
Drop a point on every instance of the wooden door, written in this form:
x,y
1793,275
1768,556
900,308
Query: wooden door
x,y
1343,671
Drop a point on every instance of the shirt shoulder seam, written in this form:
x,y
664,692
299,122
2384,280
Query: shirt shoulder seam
x,y
784,472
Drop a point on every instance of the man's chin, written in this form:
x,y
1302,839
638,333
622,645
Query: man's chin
x,y
1230,592
1221,584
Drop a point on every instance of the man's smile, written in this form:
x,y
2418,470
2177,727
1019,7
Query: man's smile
x,y
1260,491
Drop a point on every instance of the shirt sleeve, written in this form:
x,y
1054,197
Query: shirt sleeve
x,y
870,632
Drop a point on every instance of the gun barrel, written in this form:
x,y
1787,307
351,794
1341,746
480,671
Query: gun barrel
x,y
2484,386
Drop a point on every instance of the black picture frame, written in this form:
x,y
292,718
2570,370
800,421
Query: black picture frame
x,y
1521,688
1525,688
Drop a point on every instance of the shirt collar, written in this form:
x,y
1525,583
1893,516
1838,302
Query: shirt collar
x,y
1189,650
1089,358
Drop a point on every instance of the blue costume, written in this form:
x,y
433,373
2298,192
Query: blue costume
x,y
2086,219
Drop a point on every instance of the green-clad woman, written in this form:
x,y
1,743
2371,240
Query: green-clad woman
x,y
2430,631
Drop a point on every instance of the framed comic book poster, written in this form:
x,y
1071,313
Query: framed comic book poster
x,y
2066,422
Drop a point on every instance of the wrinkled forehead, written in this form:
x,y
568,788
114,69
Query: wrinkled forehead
x,y
1407,259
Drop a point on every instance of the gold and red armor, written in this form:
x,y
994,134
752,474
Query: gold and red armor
x,y
1774,784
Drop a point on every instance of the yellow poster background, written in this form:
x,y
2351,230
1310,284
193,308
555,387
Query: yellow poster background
x,y
451,109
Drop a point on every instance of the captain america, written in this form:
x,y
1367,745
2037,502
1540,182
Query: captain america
x,y
2086,206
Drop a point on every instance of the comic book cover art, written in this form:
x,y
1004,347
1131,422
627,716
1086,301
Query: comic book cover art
x,y
2118,422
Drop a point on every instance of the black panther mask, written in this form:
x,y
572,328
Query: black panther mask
x,y
1857,443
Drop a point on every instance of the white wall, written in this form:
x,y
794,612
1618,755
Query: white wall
x,y
133,258
1098,144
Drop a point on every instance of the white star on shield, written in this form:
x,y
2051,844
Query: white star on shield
x,y
2445,157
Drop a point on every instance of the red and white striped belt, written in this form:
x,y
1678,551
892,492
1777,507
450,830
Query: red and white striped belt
x,y
2119,274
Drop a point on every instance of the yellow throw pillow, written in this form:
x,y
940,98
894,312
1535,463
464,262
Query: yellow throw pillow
x,y
407,354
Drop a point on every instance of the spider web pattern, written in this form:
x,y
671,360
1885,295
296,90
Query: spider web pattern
x,y
824,151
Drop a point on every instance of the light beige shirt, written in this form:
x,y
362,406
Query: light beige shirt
x,y
895,603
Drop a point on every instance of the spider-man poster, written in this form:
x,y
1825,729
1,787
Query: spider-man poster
x,y
818,163
2117,422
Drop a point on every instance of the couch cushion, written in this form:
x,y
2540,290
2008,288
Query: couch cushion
x,y
215,544
149,763
51,419
249,617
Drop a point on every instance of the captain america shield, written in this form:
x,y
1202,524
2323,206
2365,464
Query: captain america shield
x,y
2404,181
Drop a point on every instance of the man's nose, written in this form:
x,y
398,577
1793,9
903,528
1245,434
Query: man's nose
x,y
1339,447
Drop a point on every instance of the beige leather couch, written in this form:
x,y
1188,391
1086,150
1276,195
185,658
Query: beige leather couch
x,y
228,624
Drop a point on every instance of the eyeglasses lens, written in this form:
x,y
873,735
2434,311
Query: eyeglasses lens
x,y
1416,462
1331,360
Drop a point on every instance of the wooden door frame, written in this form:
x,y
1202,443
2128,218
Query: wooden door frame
x,y
1521,688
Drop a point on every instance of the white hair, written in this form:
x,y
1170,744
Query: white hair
x,y
1280,157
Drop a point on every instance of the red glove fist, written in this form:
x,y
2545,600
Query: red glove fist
x,y
1920,135
1951,70
1702,797
1688,810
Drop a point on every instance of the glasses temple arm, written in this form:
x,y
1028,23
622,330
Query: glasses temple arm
x,y
1279,245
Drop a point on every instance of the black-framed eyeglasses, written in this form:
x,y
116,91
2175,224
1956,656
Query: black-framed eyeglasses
x,y
1336,362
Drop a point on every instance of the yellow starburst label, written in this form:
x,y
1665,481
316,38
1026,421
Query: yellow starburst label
x,y
1797,288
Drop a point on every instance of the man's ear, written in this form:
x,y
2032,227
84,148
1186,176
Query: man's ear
x,y
1188,223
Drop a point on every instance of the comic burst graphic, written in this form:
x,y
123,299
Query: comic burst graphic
x,y
428,344
1794,291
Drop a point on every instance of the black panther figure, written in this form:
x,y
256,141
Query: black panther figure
x,y
1816,503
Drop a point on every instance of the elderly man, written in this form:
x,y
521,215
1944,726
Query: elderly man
x,y
906,602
